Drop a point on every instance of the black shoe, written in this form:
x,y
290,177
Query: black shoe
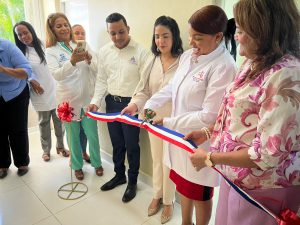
x,y
130,193
3,173
22,170
114,182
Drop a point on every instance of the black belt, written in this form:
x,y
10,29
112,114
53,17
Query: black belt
x,y
117,98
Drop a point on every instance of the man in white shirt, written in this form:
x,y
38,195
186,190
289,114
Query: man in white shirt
x,y
119,66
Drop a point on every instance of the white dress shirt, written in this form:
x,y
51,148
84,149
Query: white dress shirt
x,y
119,70
196,92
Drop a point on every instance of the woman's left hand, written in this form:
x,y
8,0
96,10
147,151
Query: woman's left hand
x,y
198,158
36,87
158,122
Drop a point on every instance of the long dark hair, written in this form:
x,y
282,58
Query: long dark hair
x,y
229,37
172,25
36,42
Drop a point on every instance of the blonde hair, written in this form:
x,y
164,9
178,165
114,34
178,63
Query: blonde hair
x,y
51,39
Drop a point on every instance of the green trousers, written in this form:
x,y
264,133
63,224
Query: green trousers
x,y
90,129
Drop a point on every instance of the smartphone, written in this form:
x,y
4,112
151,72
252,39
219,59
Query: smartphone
x,y
81,46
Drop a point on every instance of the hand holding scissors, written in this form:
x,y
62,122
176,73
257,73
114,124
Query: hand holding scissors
x,y
148,115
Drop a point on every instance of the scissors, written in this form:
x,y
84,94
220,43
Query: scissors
x,y
148,117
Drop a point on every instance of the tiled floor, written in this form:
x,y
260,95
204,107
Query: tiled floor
x,y
33,200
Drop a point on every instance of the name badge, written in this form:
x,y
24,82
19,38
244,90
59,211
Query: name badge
x,y
132,60
62,57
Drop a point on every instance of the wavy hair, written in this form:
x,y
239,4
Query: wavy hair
x,y
51,39
273,27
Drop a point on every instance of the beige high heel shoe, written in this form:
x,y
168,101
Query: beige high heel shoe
x,y
153,211
166,216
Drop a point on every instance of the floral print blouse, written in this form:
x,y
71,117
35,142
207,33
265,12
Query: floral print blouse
x,y
263,116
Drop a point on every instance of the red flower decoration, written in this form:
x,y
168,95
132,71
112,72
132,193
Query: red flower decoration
x,y
288,217
64,111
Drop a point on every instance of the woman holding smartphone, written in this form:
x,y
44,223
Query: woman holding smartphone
x,y
72,68
79,37
42,88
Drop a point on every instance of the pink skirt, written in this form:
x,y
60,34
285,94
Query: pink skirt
x,y
232,209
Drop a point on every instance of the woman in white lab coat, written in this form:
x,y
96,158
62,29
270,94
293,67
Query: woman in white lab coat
x,y
72,70
196,92
42,88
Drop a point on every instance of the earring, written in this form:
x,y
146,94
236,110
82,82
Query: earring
x,y
157,49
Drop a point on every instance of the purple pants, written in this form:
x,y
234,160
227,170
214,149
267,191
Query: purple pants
x,y
232,209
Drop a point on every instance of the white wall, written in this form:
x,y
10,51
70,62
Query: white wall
x,y
140,15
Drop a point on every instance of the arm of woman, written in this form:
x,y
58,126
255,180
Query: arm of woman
x,y
14,72
217,83
200,136
59,72
239,158
277,129
19,65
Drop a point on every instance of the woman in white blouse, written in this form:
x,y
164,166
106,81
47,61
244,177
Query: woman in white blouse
x,y
72,70
166,48
42,88
196,92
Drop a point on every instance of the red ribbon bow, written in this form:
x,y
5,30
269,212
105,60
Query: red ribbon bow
x,y
64,111
288,217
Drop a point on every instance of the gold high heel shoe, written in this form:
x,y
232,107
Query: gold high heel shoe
x,y
165,217
153,211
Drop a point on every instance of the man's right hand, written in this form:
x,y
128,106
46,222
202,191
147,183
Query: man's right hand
x,y
92,108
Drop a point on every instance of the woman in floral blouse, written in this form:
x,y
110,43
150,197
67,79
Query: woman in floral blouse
x,y
256,138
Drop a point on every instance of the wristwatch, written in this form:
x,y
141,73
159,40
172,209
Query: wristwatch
x,y
208,161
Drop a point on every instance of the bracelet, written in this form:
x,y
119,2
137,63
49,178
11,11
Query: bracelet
x,y
207,132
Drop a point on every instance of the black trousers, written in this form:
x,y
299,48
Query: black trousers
x,y
123,138
14,130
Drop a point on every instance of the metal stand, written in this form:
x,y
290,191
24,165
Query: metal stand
x,y
72,190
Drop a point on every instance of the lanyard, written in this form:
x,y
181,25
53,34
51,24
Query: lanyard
x,y
64,46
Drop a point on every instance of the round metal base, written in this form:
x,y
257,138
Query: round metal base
x,y
72,191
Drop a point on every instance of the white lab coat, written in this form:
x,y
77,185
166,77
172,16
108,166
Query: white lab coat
x,y
196,92
73,82
46,101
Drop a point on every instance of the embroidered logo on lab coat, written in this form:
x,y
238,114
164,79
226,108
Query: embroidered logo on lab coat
x,y
62,57
132,60
199,76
